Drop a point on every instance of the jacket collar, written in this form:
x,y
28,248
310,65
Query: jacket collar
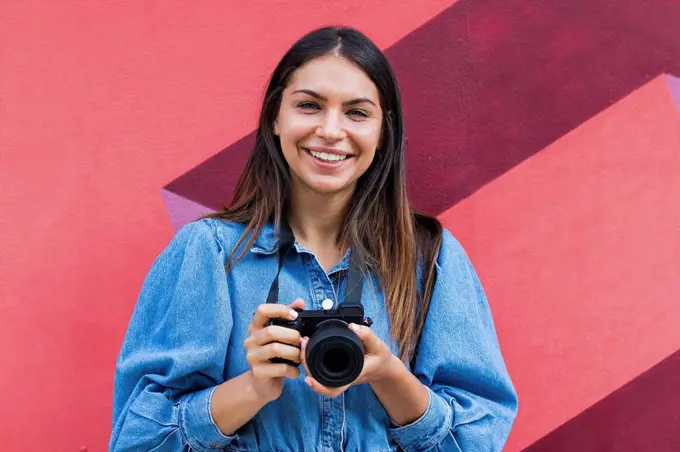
x,y
267,242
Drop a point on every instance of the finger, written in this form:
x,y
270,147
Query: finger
x,y
275,333
268,311
297,304
370,340
324,390
276,370
303,354
276,350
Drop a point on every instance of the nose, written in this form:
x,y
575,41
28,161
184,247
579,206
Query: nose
x,y
331,128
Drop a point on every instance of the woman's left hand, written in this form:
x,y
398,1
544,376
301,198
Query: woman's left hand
x,y
379,362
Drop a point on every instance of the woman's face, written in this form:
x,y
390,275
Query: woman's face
x,y
329,124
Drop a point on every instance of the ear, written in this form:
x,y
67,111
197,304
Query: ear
x,y
276,128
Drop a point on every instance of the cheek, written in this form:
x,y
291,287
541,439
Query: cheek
x,y
295,127
367,139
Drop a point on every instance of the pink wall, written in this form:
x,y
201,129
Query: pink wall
x,y
545,136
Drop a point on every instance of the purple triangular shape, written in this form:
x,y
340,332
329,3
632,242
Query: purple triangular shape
x,y
182,210
674,86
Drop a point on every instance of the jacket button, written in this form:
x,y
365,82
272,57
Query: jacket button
x,y
327,304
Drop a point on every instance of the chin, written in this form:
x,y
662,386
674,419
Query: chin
x,y
330,188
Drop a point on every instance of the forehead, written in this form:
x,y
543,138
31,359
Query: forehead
x,y
333,76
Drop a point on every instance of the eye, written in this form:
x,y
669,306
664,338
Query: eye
x,y
358,112
308,106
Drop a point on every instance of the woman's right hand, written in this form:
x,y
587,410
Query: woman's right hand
x,y
265,342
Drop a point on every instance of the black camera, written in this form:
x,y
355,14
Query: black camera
x,y
334,353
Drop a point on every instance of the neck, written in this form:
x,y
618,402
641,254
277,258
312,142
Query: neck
x,y
316,219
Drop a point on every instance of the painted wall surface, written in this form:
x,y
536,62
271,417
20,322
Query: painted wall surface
x,y
545,136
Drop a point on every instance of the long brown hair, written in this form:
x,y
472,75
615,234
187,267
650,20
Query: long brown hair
x,y
386,235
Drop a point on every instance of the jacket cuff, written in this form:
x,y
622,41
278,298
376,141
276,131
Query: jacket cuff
x,y
428,430
197,424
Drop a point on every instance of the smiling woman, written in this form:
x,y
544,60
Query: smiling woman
x,y
387,310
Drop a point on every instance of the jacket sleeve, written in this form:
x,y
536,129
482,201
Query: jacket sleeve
x,y
174,350
472,400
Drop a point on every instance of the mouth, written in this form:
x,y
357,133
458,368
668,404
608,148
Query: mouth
x,y
327,157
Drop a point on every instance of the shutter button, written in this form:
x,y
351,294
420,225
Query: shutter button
x,y
327,304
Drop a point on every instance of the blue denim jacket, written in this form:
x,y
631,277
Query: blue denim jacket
x,y
186,336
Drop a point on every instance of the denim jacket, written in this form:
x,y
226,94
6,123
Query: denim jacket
x,y
186,336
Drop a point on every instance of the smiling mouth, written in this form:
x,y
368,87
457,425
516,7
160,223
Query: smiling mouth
x,y
327,157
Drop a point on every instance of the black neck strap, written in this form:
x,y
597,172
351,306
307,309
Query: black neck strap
x,y
355,278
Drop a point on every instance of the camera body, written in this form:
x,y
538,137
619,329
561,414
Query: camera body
x,y
334,353
308,321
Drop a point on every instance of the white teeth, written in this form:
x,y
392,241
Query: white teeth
x,y
327,157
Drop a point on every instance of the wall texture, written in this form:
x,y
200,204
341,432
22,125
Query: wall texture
x,y
545,135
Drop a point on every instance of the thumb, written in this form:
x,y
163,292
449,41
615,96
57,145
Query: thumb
x,y
366,335
297,304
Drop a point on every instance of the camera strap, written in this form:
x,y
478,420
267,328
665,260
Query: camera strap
x,y
353,287
355,279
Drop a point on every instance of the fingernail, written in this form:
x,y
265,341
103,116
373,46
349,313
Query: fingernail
x,y
354,327
293,313
308,381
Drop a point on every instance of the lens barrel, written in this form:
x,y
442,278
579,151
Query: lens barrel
x,y
334,354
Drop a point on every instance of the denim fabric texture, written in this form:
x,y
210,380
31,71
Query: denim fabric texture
x,y
186,336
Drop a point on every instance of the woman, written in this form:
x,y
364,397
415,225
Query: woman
x,y
196,370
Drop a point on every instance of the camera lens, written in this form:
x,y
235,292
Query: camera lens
x,y
335,360
335,354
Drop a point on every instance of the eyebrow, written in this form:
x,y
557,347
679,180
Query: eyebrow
x,y
316,95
